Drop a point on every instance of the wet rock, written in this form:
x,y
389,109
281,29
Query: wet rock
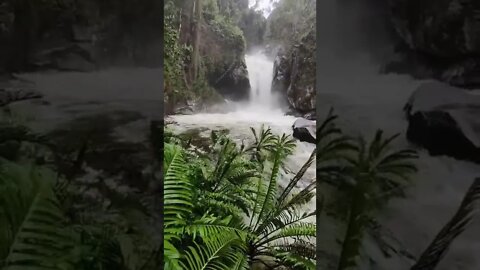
x,y
10,95
224,59
310,116
69,58
443,35
234,82
445,120
304,130
294,74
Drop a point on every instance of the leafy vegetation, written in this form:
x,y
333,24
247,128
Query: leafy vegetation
x,y
229,210
226,209
231,206
203,42
289,21
48,220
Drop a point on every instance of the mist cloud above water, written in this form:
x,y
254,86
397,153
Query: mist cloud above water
x,y
266,6
349,27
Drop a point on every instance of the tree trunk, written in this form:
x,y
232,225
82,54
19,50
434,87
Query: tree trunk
x,y
196,41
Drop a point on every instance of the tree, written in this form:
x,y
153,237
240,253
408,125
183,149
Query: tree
x,y
196,43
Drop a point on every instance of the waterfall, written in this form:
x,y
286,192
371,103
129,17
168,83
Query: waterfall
x,y
365,100
260,73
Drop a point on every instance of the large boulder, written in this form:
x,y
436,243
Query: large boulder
x,y
224,49
294,74
445,35
305,130
445,120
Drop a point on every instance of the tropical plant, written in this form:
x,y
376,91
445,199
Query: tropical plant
x,y
200,202
32,231
333,150
375,173
280,228
209,236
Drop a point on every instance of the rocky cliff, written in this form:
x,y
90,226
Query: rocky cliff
x,y
223,49
294,74
441,36
79,35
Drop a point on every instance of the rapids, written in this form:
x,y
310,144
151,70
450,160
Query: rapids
x,y
261,109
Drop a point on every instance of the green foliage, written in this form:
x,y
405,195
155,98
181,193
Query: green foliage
x,y
229,32
239,214
175,56
367,175
221,44
290,20
32,232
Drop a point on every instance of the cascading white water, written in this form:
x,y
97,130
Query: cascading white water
x,y
366,100
260,70
261,109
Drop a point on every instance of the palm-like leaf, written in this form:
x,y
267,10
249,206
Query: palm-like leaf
x,y
276,215
376,174
436,250
332,149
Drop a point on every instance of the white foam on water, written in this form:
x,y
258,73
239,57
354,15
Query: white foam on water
x,y
366,100
261,109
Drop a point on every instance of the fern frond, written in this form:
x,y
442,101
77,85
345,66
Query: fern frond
x,y
178,192
217,252
32,232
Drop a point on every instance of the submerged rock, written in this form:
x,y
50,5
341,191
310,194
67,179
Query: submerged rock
x,y
304,130
445,120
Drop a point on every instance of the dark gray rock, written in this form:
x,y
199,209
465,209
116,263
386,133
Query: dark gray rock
x,y
68,57
304,130
11,95
443,36
232,81
294,74
445,120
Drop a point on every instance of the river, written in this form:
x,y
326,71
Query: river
x,y
262,108
350,81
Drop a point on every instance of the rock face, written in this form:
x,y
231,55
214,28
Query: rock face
x,y
445,120
304,130
445,35
223,49
294,74
80,35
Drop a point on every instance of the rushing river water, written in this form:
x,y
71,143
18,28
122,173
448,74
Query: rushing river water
x,y
365,100
261,109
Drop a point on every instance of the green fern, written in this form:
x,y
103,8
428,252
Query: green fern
x,y
33,234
